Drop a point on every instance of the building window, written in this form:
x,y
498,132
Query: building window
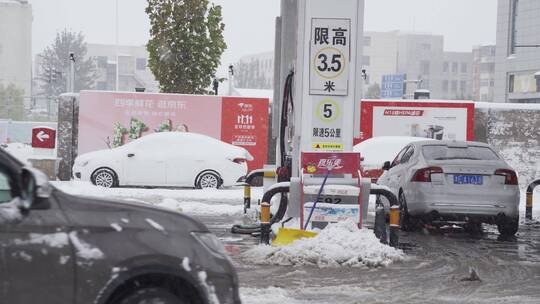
x,y
454,86
511,83
102,62
426,46
141,64
424,67
463,67
445,67
492,83
445,86
454,67
367,41
463,86
366,60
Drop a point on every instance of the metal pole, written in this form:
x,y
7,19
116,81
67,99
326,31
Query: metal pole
x,y
117,57
72,74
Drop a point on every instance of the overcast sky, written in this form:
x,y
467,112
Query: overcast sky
x,y
250,23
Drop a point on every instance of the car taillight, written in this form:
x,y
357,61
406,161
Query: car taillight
x,y
424,175
239,160
510,176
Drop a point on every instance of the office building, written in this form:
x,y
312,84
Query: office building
x,y
16,44
517,66
255,71
447,75
483,82
133,71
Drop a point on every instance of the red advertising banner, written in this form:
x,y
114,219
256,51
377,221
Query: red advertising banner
x,y
244,123
338,162
429,119
112,119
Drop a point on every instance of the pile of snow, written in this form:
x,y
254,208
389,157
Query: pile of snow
x,y
378,150
340,244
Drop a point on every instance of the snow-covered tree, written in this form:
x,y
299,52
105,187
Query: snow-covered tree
x,y
55,65
186,44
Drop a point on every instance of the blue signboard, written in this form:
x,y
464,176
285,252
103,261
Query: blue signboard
x,y
393,86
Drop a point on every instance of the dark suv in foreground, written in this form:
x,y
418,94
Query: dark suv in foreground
x,y
58,248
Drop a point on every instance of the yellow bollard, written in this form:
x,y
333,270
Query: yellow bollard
x,y
265,223
529,205
247,197
265,213
394,216
394,226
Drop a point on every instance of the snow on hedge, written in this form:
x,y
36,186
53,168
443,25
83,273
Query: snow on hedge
x,y
202,209
234,195
340,244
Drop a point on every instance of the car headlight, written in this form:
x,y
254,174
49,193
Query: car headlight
x,y
211,242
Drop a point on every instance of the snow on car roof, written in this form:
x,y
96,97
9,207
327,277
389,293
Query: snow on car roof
x,y
377,150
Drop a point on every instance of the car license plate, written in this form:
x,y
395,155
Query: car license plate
x,y
468,179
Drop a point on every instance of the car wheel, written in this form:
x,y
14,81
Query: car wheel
x,y
508,226
208,180
151,296
104,178
406,221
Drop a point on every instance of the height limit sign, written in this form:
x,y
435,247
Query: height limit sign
x,y
329,62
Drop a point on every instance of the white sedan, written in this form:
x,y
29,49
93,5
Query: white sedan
x,y
170,159
466,182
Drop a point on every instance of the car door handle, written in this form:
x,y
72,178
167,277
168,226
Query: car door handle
x,y
131,155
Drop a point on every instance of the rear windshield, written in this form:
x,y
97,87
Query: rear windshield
x,y
438,152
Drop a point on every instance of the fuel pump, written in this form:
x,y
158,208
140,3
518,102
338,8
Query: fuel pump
x,y
319,60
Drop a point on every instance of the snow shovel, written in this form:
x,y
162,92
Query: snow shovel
x,y
285,236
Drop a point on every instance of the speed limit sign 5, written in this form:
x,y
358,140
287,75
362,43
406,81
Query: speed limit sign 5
x,y
328,110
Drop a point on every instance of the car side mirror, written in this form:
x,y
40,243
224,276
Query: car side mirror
x,y
36,189
386,166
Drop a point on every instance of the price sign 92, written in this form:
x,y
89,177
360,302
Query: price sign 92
x,y
329,63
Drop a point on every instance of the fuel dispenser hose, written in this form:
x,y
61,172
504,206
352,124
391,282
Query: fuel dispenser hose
x,y
276,218
284,122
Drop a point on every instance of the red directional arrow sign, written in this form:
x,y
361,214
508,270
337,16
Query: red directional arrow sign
x,y
43,137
